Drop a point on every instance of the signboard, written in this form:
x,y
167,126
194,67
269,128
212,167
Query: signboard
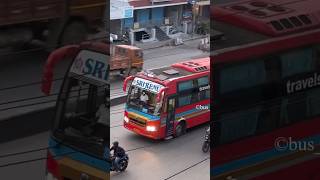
x,y
128,12
120,10
147,85
136,25
166,21
91,66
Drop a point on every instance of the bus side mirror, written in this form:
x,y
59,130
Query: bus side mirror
x,y
124,88
55,57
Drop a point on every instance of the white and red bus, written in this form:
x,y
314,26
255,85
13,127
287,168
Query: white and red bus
x,y
266,97
164,102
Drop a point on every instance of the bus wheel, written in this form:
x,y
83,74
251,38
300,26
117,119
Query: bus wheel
x,y
74,33
180,129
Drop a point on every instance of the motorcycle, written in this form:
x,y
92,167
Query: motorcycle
x,y
125,38
206,143
122,164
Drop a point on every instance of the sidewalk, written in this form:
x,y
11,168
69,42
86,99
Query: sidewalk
x,y
157,44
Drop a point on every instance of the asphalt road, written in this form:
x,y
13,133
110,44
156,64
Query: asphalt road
x,y
158,160
33,170
23,69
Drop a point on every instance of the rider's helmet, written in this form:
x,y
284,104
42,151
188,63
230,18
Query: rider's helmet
x,y
115,143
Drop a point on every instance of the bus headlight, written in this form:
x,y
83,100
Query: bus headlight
x,y
126,119
151,128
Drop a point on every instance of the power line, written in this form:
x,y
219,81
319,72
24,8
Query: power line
x,y
48,101
42,49
43,96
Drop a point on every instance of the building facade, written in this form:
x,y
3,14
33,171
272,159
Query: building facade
x,y
149,13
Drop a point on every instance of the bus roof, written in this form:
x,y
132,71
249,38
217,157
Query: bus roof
x,y
243,22
179,70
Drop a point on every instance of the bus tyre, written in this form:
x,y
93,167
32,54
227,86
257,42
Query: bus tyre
x,y
180,129
74,33
205,146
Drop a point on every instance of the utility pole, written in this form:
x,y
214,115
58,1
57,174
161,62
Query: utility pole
x,y
194,11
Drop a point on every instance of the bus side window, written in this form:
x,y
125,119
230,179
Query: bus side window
x,y
186,85
203,81
269,118
296,62
242,76
313,102
293,109
184,100
316,55
238,125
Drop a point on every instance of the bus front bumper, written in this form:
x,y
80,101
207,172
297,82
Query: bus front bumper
x,y
141,130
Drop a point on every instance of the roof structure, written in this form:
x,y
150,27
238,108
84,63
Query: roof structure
x,y
181,69
242,22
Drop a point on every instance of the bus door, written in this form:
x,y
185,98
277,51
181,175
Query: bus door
x,y
171,109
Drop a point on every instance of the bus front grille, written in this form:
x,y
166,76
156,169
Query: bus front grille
x,y
138,122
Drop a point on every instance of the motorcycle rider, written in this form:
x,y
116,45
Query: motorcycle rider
x,y
118,153
206,143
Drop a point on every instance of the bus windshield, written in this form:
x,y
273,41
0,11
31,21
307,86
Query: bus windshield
x,y
144,101
82,115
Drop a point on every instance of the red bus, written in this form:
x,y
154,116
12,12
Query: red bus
x,y
164,102
266,97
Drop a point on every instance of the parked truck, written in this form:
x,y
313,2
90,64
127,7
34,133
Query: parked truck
x,y
55,22
125,60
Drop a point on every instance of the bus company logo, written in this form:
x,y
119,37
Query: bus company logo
x,y
298,85
147,85
203,88
95,68
288,144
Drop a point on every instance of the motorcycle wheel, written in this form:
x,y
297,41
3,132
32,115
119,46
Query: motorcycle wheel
x,y
123,164
205,147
